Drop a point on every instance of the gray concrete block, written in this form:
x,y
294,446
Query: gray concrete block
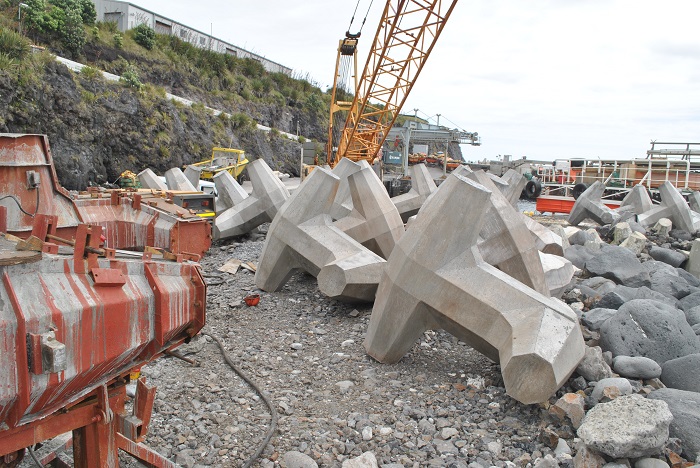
x,y
637,200
590,206
269,194
374,221
302,237
673,207
177,181
448,285
230,193
149,180
422,185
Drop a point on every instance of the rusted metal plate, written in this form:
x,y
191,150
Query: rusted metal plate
x,y
130,220
106,331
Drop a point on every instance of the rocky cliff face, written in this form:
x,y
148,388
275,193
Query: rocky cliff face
x,y
97,129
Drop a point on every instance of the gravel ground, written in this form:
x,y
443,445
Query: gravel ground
x,y
443,404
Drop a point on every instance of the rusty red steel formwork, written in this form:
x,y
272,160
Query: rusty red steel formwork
x,y
130,220
73,326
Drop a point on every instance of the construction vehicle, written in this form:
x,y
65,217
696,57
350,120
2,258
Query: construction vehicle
x,y
404,40
223,159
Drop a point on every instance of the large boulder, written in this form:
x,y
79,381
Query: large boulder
x,y
682,373
578,255
627,427
670,256
622,294
651,329
671,284
620,265
685,407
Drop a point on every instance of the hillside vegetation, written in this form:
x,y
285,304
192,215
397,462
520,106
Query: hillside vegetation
x,y
98,128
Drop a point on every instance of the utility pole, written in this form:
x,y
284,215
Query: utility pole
x,y
438,120
19,16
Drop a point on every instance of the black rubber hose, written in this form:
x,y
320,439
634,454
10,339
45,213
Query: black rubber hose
x,y
273,411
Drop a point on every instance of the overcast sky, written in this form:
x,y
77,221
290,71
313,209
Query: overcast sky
x,y
544,79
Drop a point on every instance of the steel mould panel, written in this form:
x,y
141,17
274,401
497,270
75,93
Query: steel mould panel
x,y
107,330
127,224
18,155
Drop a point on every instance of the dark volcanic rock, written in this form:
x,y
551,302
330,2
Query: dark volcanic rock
x,y
670,256
685,408
651,329
622,294
682,373
620,265
578,255
669,283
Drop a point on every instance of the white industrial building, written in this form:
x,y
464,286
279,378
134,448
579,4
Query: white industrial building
x,y
127,16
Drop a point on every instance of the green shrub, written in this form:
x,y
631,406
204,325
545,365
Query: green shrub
x,y
8,63
72,33
90,73
109,26
144,36
13,44
241,120
130,78
118,40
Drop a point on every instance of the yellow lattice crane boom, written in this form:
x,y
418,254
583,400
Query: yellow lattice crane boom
x,y
405,37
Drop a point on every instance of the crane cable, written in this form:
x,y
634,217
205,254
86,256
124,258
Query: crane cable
x,y
355,12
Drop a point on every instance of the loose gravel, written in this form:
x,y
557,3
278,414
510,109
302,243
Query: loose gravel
x,y
443,404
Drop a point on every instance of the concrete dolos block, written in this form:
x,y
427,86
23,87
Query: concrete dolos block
x,y
177,181
302,237
342,205
193,174
269,194
374,220
673,207
589,205
505,241
516,183
447,285
422,185
149,180
637,200
230,193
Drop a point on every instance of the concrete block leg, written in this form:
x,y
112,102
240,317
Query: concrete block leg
x,y
176,180
546,240
193,174
375,221
422,185
516,183
269,194
506,242
342,205
637,200
589,205
230,193
536,339
149,180
694,201
673,207
302,237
